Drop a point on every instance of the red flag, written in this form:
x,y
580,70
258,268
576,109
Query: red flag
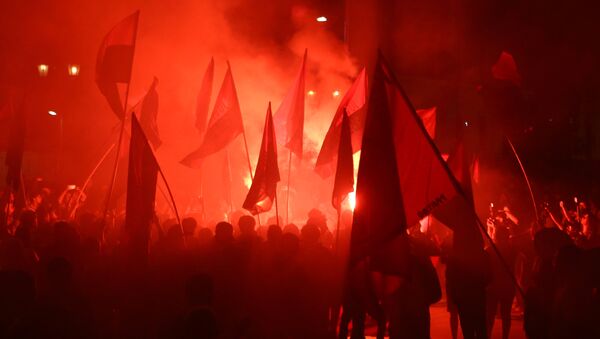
x,y
506,69
115,60
428,116
225,123
264,186
203,101
344,174
148,113
289,118
352,102
141,191
402,177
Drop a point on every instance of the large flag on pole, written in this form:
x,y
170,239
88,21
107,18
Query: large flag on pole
x,y
264,186
352,103
148,112
225,123
289,117
344,174
402,177
141,191
115,61
203,101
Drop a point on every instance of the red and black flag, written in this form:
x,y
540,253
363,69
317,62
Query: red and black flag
x,y
141,191
225,123
115,61
289,117
203,101
344,174
352,103
264,186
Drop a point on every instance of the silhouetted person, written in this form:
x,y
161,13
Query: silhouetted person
x,y
17,302
62,312
501,290
467,275
540,295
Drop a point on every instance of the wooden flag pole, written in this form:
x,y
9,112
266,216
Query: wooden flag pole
x,y
287,200
116,166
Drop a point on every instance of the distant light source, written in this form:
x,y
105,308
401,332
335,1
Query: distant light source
x,y
336,93
466,124
42,70
322,19
52,113
311,93
73,70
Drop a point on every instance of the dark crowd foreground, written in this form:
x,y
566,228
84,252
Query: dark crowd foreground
x,y
78,279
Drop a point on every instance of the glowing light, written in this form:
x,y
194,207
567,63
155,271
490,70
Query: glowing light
x,y
52,113
311,93
42,70
352,200
247,181
466,124
336,93
73,70
322,19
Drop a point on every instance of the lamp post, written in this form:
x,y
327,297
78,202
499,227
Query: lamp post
x,y
53,113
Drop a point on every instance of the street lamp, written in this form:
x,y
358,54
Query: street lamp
x,y
42,70
73,70
53,113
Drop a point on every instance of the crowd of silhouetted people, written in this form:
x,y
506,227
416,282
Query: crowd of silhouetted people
x,y
241,279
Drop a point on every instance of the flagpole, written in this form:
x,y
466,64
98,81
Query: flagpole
x,y
287,200
116,166
170,195
526,178
229,180
89,178
249,165
247,154
337,231
277,208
